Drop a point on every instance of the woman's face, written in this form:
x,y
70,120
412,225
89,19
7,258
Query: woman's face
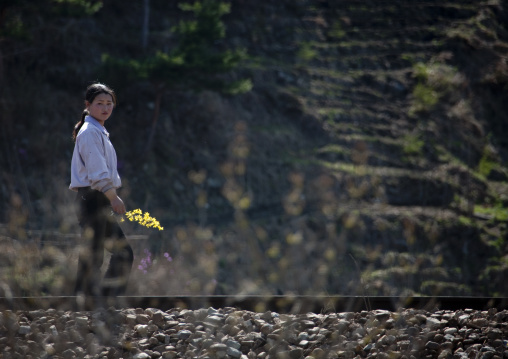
x,y
101,107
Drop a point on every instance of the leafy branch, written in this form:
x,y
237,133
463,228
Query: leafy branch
x,y
196,63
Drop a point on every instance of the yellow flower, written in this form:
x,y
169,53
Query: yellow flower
x,y
137,215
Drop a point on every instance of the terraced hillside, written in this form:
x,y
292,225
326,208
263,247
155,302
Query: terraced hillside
x,y
398,188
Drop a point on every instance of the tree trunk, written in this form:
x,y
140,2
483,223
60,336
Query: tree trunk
x,y
155,118
146,22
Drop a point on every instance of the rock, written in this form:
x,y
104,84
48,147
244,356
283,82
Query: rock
x,y
487,355
445,354
433,323
342,326
162,338
130,320
460,355
232,352
249,326
184,334
169,355
494,333
142,330
463,319
24,329
231,320
432,346
479,323
81,322
53,330
233,344
50,349
303,343
218,347
142,319
382,315
318,353
451,331
214,320
69,354
296,353
368,347
412,331
158,318
387,339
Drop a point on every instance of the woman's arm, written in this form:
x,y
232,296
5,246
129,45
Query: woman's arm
x,y
116,202
93,153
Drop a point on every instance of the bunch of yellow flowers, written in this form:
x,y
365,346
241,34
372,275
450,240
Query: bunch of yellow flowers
x,y
143,219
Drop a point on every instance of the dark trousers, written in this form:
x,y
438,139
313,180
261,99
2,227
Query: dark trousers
x,y
100,230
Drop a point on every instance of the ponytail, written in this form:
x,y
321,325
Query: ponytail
x,y
79,124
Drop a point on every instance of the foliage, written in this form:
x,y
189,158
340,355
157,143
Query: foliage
x,y
488,161
14,28
159,69
425,97
413,144
497,211
336,30
474,29
439,76
434,80
196,61
306,52
465,221
78,7
20,17
441,288
197,47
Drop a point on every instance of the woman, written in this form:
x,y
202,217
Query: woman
x,y
95,177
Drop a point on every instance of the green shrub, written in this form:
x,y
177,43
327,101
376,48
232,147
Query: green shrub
x,y
497,212
434,80
425,97
306,52
487,162
336,31
413,145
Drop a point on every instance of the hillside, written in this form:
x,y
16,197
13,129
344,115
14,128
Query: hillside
x,y
369,157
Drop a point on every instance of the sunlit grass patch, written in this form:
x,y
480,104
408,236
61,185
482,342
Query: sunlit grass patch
x,y
333,149
434,80
488,161
306,52
497,212
413,144
425,97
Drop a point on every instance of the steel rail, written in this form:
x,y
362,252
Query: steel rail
x,y
293,304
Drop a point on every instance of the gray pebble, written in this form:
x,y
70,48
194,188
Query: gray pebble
x,y
184,334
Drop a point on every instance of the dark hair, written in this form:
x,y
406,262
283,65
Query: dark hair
x,y
91,92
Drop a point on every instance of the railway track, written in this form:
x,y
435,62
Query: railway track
x,y
297,304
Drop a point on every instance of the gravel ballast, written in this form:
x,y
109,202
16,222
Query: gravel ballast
x,y
232,333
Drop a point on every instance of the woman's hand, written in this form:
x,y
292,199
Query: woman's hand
x,y
116,202
118,205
